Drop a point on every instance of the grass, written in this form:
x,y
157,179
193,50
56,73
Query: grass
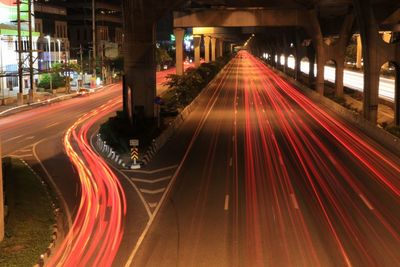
x,y
28,226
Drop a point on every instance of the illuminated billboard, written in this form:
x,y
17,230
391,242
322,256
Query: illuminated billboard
x,y
8,11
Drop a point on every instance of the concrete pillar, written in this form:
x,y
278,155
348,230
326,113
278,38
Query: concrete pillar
x,y
359,52
297,69
140,68
220,48
339,77
196,43
311,74
179,52
320,84
371,42
213,48
207,40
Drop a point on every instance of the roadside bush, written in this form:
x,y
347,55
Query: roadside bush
x,y
57,81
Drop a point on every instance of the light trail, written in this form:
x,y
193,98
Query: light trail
x,y
288,157
97,230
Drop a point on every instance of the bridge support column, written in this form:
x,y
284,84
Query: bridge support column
x,y
359,52
140,69
197,42
207,40
179,56
311,73
220,48
339,77
213,48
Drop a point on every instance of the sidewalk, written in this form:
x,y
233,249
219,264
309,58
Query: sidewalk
x,y
41,98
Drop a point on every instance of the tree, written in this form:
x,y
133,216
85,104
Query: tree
x,y
162,56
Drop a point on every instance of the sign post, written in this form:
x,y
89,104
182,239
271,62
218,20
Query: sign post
x,y
134,143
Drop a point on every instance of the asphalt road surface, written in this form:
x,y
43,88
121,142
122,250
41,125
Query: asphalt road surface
x,y
258,175
37,137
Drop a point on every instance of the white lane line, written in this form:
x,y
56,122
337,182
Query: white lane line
x,y
26,139
53,184
24,155
294,201
153,171
152,192
226,206
153,204
231,162
233,138
51,125
11,139
151,181
365,200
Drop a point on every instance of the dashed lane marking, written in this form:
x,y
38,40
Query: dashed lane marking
x,y
294,201
51,125
226,206
365,200
13,138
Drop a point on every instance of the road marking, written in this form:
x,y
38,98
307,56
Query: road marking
x,y
153,204
233,138
24,155
153,171
230,162
28,138
366,202
151,181
11,139
294,201
51,125
152,192
226,206
53,184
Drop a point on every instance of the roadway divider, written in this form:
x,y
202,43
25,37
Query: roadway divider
x,y
386,139
108,152
173,126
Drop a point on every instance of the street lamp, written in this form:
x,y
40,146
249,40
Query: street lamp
x,y
51,78
59,50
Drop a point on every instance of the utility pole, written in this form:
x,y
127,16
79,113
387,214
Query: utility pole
x,y
20,97
32,91
94,36
1,198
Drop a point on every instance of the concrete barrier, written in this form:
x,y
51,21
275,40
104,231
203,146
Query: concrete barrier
x,y
386,139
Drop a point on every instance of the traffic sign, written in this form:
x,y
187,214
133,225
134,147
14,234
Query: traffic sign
x,y
134,153
134,142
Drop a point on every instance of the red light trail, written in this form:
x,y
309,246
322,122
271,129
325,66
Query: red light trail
x,y
97,230
275,134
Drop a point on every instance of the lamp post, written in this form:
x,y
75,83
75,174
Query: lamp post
x,y
51,78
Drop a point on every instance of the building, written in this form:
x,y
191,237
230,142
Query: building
x,y
51,23
9,83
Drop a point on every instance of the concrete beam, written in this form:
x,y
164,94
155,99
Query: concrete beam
x,y
239,18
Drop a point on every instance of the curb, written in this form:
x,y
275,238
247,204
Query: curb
x,y
107,151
